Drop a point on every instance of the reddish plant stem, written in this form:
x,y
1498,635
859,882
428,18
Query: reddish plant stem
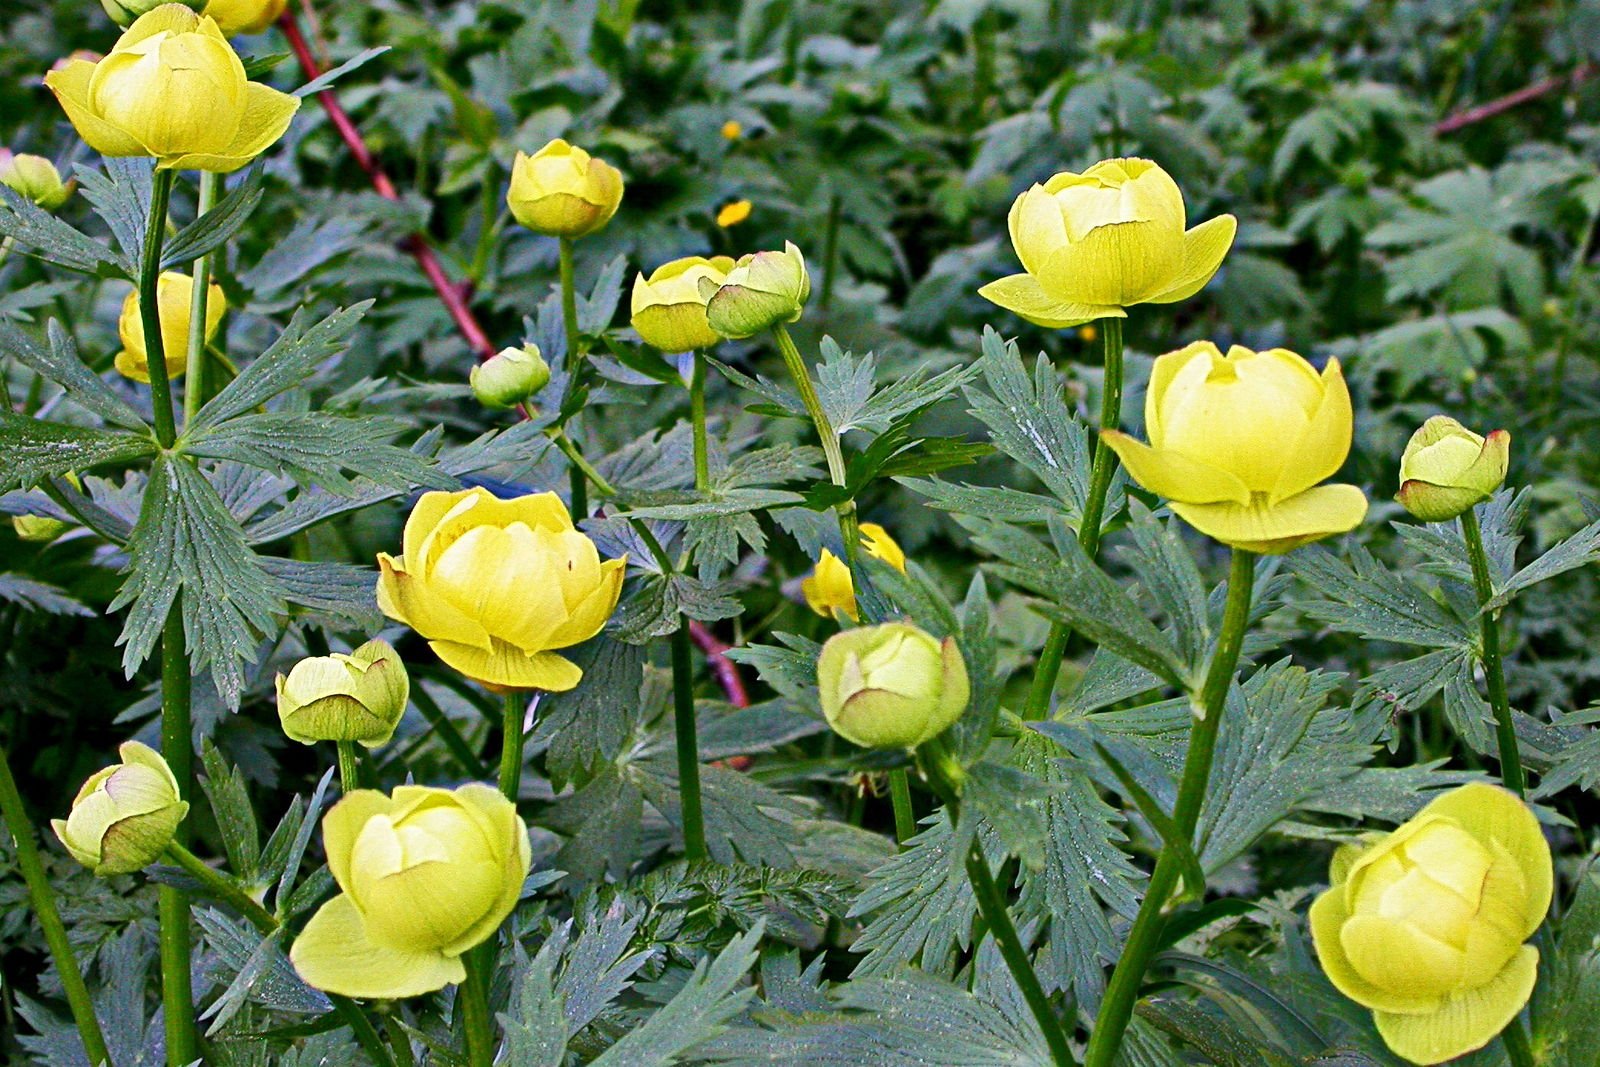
x,y
1471,115
455,301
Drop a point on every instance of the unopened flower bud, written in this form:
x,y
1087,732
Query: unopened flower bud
x,y
235,17
1447,469
125,12
562,191
35,178
509,378
762,290
355,697
891,686
125,815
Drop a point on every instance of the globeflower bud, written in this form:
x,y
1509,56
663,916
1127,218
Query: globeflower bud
x,y
126,12
235,17
891,686
425,875
354,697
1426,925
562,191
124,816
669,312
175,295
1447,469
38,529
509,378
830,591
35,178
762,290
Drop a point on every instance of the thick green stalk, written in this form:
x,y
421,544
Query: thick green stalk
x,y
349,768
1511,772
1094,507
515,705
194,390
697,420
400,1041
1144,937
1516,1043
582,470
569,322
44,906
150,307
796,366
905,817
473,995
223,888
694,826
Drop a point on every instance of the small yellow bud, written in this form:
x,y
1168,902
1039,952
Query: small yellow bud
x,y
175,295
669,311
34,178
509,378
424,874
1239,443
498,586
173,89
1448,469
562,191
891,686
762,290
732,130
235,17
733,213
125,815
829,589
356,697
1426,925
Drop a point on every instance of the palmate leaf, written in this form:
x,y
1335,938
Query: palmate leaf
x,y
319,448
1579,550
121,197
919,904
1564,1020
1367,599
35,595
208,232
36,449
60,364
186,543
54,241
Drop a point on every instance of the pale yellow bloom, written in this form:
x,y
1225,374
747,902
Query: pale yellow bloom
x,y
425,875
175,90
175,295
510,377
764,289
125,815
358,696
1095,243
733,213
829,589
891,686
236,17
1239,443
562,191
496,586
1447,469
1426,925
669,311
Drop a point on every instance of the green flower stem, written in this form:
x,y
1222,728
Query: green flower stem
x,y
194,390
349,769
1516,1043
581,469
515,705
1511,772
447,732
1143,938
905,819
150,307
44,906
569,322
473,997
796,366
694,827
223,888
1094,506
697,419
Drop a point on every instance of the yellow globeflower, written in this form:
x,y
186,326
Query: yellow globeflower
x,y
669,311
891,686
359,696
763,290
1447,469
1097,242
125,815
732,130
175,90
1239,443
175,294
562,191
496,586
829,590
1426,925
425,875
34,178
245,16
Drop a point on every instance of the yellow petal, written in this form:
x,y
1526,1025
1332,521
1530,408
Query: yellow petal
x,y
1490,813
342,825
1162,373
267,114
405,598
1022,295
334,954
879,545
1327,918
1204,247
1311,516
1322,448
1175,476
503,826
168,18
1116,264
510,668
1466,1020
70,84
593,610
1397,955
1037,227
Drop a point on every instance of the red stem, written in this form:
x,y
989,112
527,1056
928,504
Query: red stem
x,y
455,301
1471,115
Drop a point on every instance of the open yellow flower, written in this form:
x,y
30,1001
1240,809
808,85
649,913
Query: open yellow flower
x,y
175,90
425,874
1094,243
175,295
496,586
668,309
830,591
562,191
1239,443
1426,925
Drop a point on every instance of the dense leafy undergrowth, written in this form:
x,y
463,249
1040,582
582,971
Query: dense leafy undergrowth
x,y
712,874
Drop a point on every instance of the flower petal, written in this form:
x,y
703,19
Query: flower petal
x,y
342,825
1467,1020
509,834
334,954
1492,814
1327,917
1162,373
1175,476
1204,247
1310,516
71,86
404,598
1022,295
1325,442
267,114
1037,228
1114,264
510,668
